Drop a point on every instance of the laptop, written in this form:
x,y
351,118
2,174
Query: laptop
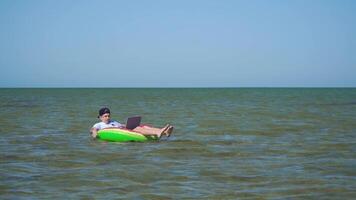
x,y
133,122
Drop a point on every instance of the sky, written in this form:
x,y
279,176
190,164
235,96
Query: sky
x,y
182,43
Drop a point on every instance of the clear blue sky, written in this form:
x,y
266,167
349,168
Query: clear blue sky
x,y
182,43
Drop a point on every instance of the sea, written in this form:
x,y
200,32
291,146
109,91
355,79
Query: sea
x,y
227,143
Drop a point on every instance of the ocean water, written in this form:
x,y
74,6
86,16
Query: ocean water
x,y
227,144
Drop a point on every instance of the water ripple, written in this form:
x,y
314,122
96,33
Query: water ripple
x,y
227,144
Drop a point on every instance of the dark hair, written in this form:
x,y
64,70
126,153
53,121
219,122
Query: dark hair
x,y
103,111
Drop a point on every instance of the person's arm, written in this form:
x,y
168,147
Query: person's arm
x,y
94,132
119,125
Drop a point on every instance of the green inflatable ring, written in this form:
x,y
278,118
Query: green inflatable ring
x,y
123,135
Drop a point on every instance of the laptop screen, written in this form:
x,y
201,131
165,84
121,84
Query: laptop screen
x,y
133,122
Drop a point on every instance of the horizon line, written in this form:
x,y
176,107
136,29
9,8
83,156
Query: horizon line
x,y
201,87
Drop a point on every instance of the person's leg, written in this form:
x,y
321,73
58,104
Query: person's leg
x,y
168,129
145,130
149,128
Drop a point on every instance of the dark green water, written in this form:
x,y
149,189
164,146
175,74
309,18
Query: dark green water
x,y
227,144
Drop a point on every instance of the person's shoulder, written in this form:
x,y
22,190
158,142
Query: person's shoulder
x,y
98,125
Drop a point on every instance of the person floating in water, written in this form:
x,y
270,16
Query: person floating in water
x,y
106,122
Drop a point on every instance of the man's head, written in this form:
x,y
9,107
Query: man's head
x,y
104,115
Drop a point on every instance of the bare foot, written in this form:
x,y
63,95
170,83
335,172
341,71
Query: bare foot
x,y
169,131
163,130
